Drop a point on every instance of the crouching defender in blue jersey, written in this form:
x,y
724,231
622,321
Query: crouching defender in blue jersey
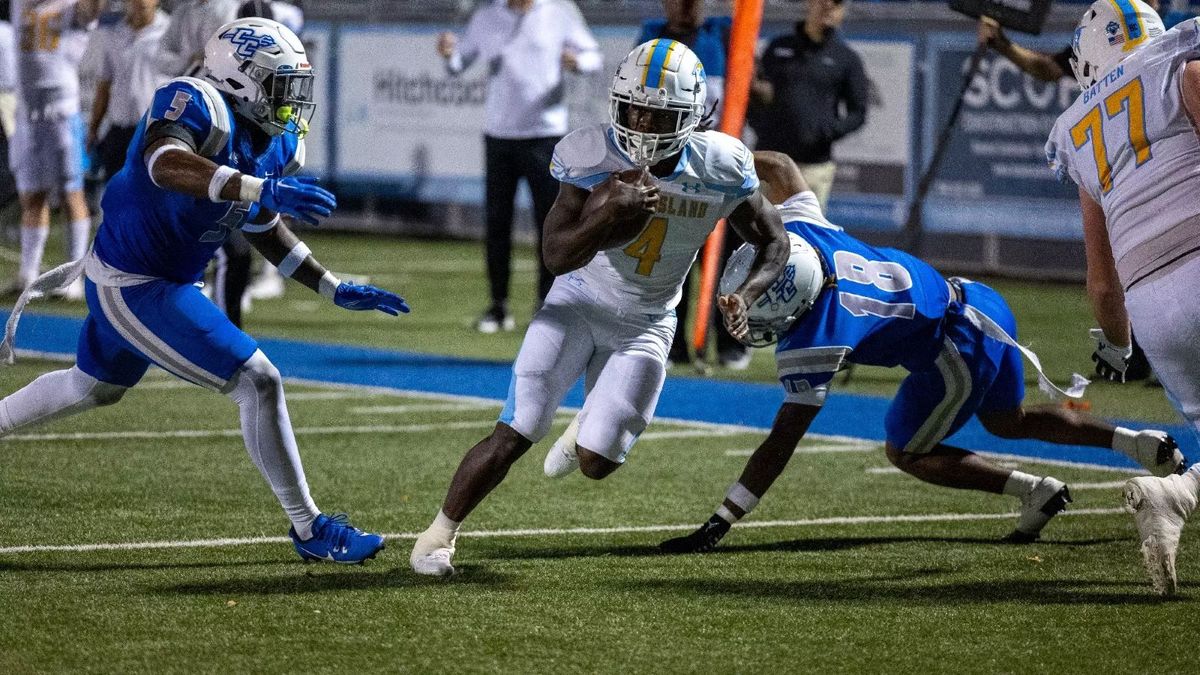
x,y
212,155
840,301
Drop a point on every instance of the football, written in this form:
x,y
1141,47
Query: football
x,y
623,231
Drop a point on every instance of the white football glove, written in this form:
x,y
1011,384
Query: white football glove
x,y
1111,360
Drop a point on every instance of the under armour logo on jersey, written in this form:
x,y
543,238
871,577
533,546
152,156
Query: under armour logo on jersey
x,y
247,41
691,188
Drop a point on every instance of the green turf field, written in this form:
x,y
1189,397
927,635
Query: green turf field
x,y
846,565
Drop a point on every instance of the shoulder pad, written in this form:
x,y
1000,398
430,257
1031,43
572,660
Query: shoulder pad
x,y
197,105
585,157
726,164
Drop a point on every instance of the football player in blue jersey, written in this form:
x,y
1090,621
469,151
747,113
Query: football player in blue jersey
x,y
841,301
213,155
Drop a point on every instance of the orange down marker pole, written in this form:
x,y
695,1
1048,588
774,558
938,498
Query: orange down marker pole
x,y
743,40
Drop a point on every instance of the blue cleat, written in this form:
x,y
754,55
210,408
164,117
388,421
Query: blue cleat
x,y
334,539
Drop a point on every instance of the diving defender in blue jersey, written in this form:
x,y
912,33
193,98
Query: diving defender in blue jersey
x,y
213,155
841,301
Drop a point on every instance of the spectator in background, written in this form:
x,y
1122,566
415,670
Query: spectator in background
x,y
803,83
1047,66
709,38
287,13
125,83
46,150
181,50
527,46
8,110
8,72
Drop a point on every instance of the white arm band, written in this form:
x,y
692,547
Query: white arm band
x,y
163,149
220,177
291,262
251,190
329,285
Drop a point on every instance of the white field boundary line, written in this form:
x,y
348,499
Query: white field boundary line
x,y
546,532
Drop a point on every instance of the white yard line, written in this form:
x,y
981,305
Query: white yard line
x,y
416,407
329,395
541,532
224,433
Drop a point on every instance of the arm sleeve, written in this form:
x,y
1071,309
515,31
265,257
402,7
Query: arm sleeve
x,y
854,93
468,46
738,178
579,39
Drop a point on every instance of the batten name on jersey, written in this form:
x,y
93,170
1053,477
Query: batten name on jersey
x,y
1103,83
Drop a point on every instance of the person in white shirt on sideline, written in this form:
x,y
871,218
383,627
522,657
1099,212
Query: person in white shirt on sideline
x,y
181,50
127,79
527,46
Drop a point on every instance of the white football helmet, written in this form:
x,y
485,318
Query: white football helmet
x,y
666,79
792,294
262,67
1108,32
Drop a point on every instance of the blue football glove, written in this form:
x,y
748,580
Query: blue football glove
x,y
359,298
299,197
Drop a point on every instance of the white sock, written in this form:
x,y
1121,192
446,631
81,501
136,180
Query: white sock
x,y
1125,442
742,498
55,395
267,430
79,238
1020,484
442,522
33,247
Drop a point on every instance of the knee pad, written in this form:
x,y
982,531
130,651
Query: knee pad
x,y
89,388
257,375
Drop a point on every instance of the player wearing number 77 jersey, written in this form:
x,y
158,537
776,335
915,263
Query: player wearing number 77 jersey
x,y
1130,143
842,301
212,155
620,256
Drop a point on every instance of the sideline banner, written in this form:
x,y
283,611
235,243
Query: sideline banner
x,y
875,159
994,176
317,43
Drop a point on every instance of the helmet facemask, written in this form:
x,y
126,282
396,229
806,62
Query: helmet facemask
x,y
284,102
671,124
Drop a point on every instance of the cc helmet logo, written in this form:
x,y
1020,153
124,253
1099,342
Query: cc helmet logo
x,y
247,41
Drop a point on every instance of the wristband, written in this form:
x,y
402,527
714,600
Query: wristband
x,y
251,189
295,257
328,285
219,178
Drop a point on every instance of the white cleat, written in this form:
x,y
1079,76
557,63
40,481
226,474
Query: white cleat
x,y
1158,453
563,458
1160,506
432,553
1046,500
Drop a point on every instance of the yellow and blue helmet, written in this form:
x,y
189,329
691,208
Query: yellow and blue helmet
x,y
664,79
1108,32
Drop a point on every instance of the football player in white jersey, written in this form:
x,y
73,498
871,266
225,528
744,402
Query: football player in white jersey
x,y
46,153
1130,143
620,255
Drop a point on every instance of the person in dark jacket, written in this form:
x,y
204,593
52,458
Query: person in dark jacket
x,y
809,91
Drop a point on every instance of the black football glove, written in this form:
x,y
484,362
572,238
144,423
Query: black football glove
x,y
1111,361
702,540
